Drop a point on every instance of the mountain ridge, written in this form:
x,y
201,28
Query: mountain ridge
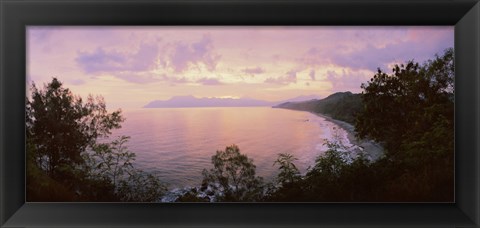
x,y
341,105
191,101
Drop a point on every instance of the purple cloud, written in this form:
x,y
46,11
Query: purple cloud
x,y
136,77
313,57
145,78
372,57
173,81
195,53
419,47
346,81
77,81
209,81
292,74
100,60
253,71
312,75
41,33
290,77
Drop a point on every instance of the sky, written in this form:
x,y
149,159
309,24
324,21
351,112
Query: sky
x,y
132,66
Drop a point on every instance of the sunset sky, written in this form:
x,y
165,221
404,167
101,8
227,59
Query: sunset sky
x,y
131,66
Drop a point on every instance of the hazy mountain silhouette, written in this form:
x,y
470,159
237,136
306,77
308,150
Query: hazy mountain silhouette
x,y
191,101
301,98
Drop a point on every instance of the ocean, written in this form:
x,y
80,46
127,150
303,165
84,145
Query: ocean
x,y
176,144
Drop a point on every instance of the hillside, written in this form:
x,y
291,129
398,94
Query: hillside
x,y
342,106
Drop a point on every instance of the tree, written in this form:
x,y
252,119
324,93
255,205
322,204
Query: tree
x,y
289,183
60,126
330,163
140,186
288,171
401,107
233,176
411,112
69,157
113,162
110,160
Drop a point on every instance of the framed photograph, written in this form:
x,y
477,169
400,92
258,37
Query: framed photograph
x,y
256,113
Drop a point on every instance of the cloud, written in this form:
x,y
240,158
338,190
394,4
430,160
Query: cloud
x,y
314,57
137,77
347,81
112,61
290,77
77,82
357,53
253,71
312,75
209,81
372,57
292,74
173,81
201,52
40,33
145,78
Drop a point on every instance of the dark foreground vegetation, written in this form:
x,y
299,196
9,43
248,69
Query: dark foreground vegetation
x,y
70,156
411,112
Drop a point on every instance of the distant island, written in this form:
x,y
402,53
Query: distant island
x,y
191,101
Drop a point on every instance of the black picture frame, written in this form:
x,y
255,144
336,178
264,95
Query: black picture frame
x,y
15,15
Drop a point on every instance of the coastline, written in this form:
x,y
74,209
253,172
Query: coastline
x,y
372,149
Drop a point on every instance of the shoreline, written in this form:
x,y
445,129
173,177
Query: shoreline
x,y
372,149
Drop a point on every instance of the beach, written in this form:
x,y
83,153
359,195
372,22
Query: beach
x,y
372,149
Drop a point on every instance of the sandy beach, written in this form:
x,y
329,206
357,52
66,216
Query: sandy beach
x,y
372,149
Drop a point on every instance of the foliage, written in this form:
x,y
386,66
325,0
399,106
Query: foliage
x,y
110,160
333,178
113,162
411,113
41,186
60,126
140,186
288,171
401,107
66,160
332,161
336,176
340,106
233,176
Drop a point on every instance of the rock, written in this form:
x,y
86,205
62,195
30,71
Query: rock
x,y
203,187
